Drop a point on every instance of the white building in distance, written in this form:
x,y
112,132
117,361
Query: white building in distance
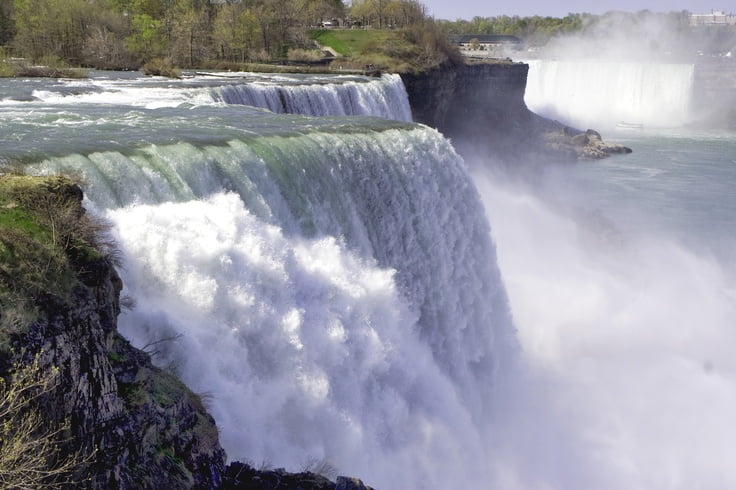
x,y
715,18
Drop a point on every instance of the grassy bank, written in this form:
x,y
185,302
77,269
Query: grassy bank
x,y
410,49
45,239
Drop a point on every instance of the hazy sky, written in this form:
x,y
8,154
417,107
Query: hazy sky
x,y
467,9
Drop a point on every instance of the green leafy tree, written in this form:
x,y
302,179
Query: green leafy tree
x,y
189,31
236,33
147,40
52,28
32,39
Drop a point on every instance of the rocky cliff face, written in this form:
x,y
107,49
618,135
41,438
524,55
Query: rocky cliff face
x,y
141,426
148,429
481,108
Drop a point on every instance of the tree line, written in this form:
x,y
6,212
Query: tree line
x,y
537,30
534,30
188,33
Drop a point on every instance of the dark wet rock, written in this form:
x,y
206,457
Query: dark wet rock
x,y
241,476
480,107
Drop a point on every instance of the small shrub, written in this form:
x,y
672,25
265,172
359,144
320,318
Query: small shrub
x,y
304,55
31,454
322,467
161,67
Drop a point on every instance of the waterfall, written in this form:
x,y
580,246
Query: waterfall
x,y
335,294
385,97
606,93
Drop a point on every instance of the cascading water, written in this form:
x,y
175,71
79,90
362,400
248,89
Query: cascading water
x,y
384,98
329,96
333,280
603,94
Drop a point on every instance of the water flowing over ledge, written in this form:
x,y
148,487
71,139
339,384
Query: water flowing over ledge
x,y
307,95
608,93
333,278
383,98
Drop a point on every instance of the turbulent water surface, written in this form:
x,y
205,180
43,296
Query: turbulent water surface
x,y
330,280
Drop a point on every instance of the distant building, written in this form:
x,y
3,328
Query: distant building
x,y
715,18
483,46
485,42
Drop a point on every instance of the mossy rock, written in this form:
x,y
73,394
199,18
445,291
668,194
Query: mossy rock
x,y
44,237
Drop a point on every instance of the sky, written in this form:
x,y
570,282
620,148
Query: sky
x,y
467,9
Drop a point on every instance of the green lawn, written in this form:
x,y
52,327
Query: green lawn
x,y
386,50
354,42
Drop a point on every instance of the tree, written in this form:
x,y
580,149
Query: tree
x,y
364,11
31,39
313,12
146,40
55,28
236,33
104,46
7,30
187,25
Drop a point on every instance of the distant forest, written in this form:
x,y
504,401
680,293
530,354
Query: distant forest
x,y
188,33
115,34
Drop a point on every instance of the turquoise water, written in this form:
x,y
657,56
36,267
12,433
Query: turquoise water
x,y
677,182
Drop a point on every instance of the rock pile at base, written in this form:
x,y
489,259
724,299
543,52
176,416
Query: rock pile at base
x,y
586,145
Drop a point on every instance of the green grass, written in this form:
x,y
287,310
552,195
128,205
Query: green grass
x,y
410,49
44,237
354,42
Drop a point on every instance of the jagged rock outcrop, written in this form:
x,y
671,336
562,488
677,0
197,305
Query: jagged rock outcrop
x,y
142,427
586,145
241,476
480,107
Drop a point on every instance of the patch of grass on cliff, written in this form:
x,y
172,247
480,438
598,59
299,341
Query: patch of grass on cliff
x,y
30,261
410,49
44,244
46,240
